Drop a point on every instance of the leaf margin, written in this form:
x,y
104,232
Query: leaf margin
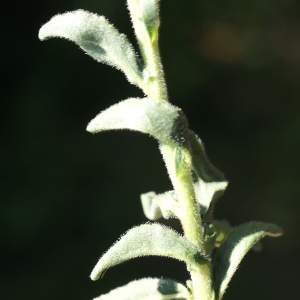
x,y
77,20
239,241
147,239
135,285
162,120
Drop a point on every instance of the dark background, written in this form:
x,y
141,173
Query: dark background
x,y
67,195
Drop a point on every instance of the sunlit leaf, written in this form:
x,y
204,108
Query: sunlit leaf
x,y
149,289
98,38
148,240
162,205
162,120
239,241
149,15
145,19
150,206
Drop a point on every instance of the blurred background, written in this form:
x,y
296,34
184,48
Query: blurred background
x,y
67,195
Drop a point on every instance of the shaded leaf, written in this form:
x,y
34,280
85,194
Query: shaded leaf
x,y
215,234
149,289
148,240
222,228
210,236
162,120
209,183
98,38
239,241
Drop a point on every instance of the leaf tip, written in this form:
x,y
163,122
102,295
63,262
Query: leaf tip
x,y
95,275
42,35
278,231
91,127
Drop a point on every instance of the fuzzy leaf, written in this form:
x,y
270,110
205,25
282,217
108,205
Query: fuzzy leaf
x,y
209,183
149,14
145,19
162,205
239,241
149,289
162,120
147,240
98,38
150,206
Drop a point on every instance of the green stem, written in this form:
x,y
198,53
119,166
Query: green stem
x,y
181,178
180,174
155,85
202,283
177,159
154,73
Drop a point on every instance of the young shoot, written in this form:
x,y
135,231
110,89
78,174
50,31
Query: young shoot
x,y
211,249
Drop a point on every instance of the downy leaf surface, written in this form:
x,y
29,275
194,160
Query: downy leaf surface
x,y
161,120
145,19
150,207
98,38
148,240
239,241
162,205
149,289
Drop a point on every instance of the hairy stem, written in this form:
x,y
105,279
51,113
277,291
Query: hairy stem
x,y
202,283
148,41
157,89
177,159
181,178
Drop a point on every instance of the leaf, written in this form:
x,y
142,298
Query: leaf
x,y
149,289
209,183
162,205
162,120
222,228
239,241
149,14
148,240
150,206
98,38
145,19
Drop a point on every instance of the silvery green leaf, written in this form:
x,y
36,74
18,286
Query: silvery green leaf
x,y
149,11
169,205
145,19
150,206
149,14
149,289
239,241
162,205
148,240
162,120
209,183
98,38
